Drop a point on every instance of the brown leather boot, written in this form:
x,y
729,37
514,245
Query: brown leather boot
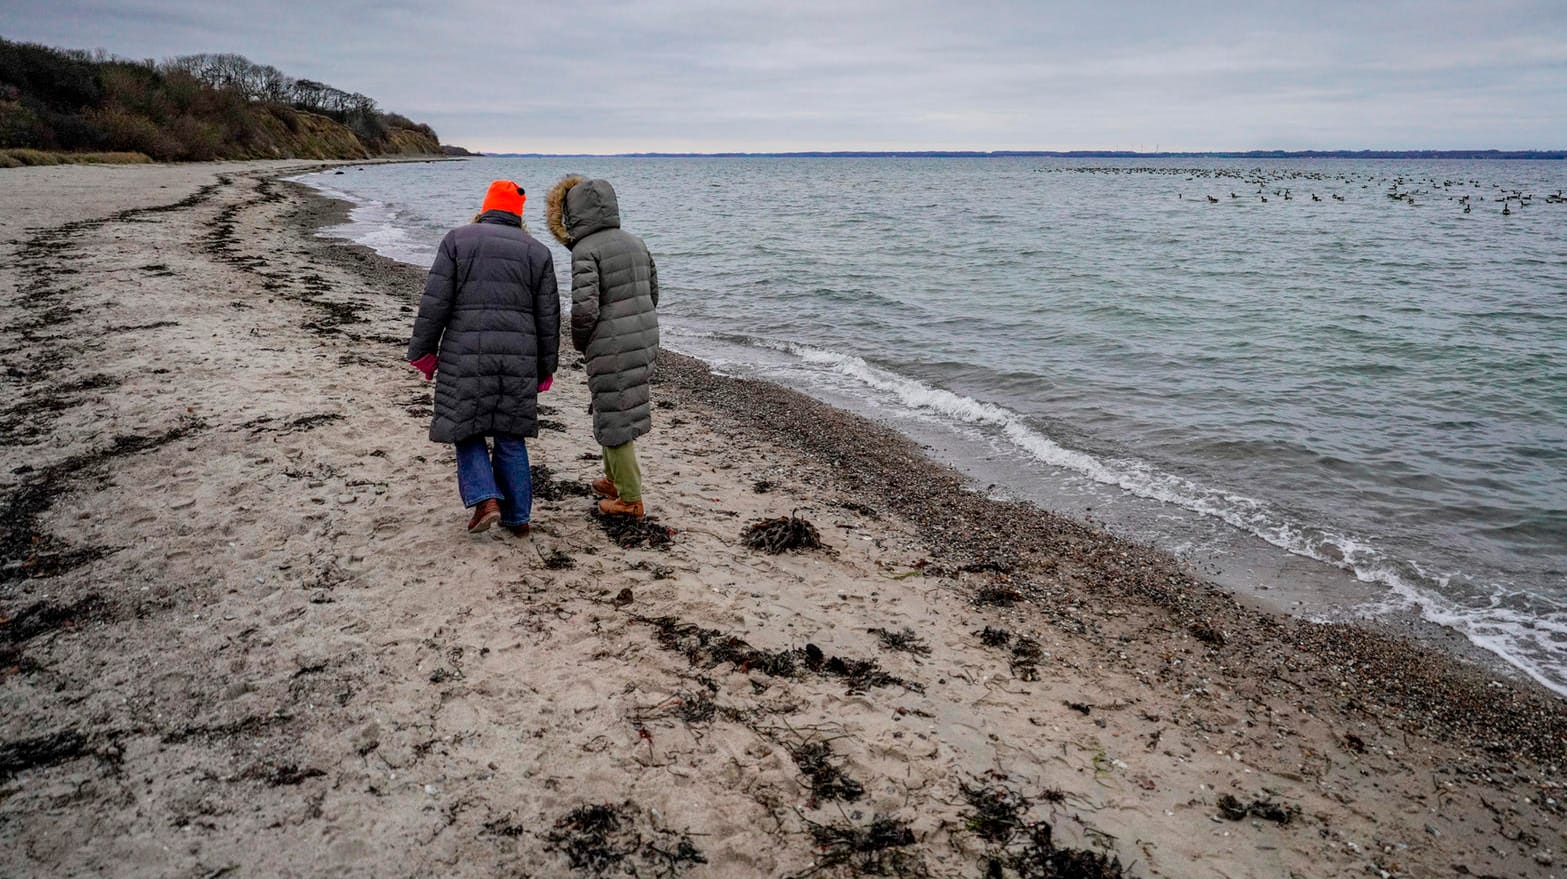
x,y
614,506
519,530
487,513
604,488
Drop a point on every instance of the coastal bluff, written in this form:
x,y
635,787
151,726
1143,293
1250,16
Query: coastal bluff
x,y
68,105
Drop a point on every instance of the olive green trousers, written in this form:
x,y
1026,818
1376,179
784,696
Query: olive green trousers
x,y
620,465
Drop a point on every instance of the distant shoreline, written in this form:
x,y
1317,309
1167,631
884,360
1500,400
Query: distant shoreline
x,y
1067,154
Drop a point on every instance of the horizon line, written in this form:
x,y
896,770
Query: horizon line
x,y
1543,154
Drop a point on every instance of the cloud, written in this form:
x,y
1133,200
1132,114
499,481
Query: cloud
x,y
614,75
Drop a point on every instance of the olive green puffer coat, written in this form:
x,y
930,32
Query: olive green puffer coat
x,y
614,299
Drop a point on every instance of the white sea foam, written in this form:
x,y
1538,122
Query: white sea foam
x,y
1506,632
378,225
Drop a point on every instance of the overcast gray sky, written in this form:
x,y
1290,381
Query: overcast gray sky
x,y
676,75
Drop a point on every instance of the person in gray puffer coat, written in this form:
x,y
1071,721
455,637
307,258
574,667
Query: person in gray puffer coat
x,y
489,330
614,323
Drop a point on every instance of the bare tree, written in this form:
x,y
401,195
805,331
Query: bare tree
x,y
337,100
275,86
308,94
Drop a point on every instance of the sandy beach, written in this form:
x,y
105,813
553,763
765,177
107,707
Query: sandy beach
x,y
243,633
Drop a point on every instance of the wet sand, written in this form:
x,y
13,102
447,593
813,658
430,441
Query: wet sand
x,y
245,634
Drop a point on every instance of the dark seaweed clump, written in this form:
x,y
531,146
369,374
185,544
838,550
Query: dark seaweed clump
x,y
876,849
710,647
905,641
781,534
859,674
1026,848
556,560
629,532
46,616
548,487
41,751
1026,652
998,811
594,837
1039,858
598,838
993,637
311,422
285,775
824,776
696,708
1267,810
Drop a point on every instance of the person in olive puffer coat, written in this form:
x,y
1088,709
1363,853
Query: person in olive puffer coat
x,y
488,330
614,323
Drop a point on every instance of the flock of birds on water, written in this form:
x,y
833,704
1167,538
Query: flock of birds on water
x,y
1409,190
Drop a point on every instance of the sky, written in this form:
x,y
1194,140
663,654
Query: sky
x,y
609,76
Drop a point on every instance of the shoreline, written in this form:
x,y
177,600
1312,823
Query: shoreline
x,y
1300,586
283,625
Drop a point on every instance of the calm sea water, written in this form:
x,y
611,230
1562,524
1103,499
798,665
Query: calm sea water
x,y
1357,400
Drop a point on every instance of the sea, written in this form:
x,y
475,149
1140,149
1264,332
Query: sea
x,y
1335,386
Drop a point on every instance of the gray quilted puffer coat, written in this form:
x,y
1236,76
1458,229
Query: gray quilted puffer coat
x,y
491,313
614,299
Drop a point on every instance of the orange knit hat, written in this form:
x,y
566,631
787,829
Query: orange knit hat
x,y
504,195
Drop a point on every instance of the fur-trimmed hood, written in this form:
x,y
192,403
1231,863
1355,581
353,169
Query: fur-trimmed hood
x,y
577,206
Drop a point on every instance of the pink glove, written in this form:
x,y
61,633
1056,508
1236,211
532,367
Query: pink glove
x,y
545,384
426,365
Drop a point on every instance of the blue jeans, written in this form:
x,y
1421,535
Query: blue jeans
x,y
505,478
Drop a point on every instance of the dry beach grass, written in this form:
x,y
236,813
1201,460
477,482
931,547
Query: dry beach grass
x,y
243,633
